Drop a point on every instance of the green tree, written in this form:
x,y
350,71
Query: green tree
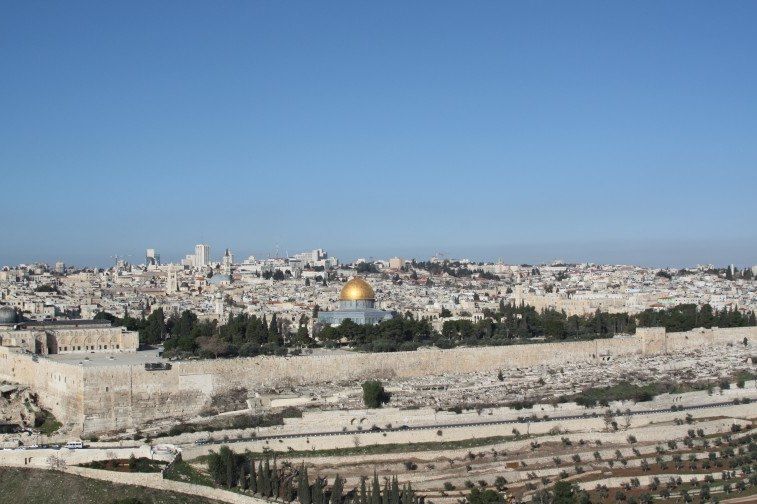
x,y
336,490
155,328
303,487
563,493
374,395
487,496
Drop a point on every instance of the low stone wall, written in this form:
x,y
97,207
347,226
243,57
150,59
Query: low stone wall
x,y
587,428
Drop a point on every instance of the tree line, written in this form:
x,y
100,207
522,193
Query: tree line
x,y
249,335
286,483
241,335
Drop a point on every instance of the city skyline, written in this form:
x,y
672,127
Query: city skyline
x,y
594,132
514,254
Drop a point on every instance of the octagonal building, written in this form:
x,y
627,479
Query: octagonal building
x,y
357,302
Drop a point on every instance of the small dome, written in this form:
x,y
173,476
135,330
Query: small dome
x,y
7,315
218,279
357,289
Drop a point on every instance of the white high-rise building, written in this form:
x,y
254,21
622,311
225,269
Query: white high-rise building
x,y
152,258
202,255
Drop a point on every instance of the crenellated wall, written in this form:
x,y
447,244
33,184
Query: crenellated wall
x,y
118,397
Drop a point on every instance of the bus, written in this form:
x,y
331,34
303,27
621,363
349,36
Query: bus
x,y
74,445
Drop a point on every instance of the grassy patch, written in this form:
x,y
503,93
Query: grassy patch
x,y
49,424
135,465
625,391
743,376
241,421
182,471
39,486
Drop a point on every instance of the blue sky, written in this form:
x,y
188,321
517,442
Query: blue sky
x,y
602,131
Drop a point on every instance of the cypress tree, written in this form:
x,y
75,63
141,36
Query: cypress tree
x,y
375,490
260,484
267,478
253,478
275,480
230,468
317,494
303,489
363,499
336,491
395,495
385,495
407,494
243,477
287,489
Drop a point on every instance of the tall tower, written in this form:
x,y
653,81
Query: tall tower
x,y
202,255
227,261
172,282
218,304
152,258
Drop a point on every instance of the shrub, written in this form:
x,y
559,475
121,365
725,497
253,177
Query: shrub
x,y
374,395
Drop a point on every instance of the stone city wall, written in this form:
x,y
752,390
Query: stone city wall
x,y
118,397
58,386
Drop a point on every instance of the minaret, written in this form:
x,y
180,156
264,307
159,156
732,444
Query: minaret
x,y
218,303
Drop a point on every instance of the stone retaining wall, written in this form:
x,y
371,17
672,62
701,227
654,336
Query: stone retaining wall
x,y
115,397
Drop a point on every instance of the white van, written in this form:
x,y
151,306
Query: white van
x,y
74,445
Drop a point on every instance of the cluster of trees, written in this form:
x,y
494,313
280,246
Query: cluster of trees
x,y
451,268
366,267
151,330
277,275
511,323
519,322
400,333
685,317
287,484
242,335
47,288
248,335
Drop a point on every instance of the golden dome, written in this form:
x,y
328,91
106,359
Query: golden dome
x,y
357,289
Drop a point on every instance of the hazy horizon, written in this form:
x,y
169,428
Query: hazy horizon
x,y
617,253
590,131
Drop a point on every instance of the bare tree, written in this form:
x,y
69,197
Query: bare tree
x,y
56,463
